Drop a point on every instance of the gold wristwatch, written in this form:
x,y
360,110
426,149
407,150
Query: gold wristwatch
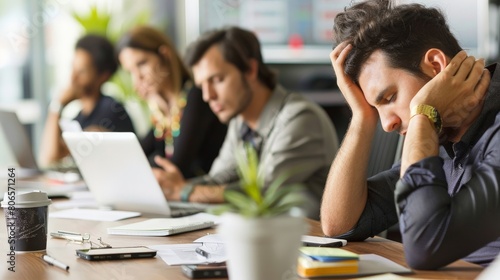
x,y
431,113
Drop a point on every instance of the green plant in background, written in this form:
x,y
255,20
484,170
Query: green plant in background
x,y
255,200
94,22
106,23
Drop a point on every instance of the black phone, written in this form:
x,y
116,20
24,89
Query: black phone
x,y
205,270
122,253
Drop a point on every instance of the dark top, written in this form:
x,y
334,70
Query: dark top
x,y
198,144
448,205
108,114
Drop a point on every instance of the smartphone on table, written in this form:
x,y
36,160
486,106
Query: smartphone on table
x,y
196,271
317,241
122,253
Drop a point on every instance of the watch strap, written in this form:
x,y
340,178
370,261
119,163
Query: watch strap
x,y
186,191
430,112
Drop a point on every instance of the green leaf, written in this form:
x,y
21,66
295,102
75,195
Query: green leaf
x,y
220,209
94,22
273,187
239,200
255,201
248,168
282,208
281,194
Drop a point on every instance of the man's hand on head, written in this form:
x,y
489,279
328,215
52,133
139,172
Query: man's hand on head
x,y
69,94
456,90
351,91
169,178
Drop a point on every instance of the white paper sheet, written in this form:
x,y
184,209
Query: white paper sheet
x,y
210,238
178,254
375,264
79,199
492,271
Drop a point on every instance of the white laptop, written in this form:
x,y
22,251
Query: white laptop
x,y
118,174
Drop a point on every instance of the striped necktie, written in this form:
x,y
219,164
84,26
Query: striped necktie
x,y
252,137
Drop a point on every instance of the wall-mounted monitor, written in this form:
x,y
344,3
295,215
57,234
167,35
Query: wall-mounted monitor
x,y
300,31
291,31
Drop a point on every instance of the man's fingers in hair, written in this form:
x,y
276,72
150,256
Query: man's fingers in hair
x,y
455,63
465,68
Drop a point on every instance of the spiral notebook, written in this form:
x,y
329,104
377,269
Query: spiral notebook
x,y
161,226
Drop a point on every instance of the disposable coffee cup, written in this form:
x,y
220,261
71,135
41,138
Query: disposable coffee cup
x,y
26,219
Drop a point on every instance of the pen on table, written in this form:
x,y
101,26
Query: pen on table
x,y
50,260
68,232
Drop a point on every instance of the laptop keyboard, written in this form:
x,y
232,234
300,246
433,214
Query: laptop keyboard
x,y
181,212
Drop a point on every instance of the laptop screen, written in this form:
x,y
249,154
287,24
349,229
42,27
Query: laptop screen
x,y
117,171
16,141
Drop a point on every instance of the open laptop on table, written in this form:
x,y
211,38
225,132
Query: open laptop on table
x,y
18,143
119,176
14,141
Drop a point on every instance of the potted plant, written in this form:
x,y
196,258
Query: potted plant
x,y
262,233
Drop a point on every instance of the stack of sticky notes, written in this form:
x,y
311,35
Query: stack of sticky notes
x,y
324,261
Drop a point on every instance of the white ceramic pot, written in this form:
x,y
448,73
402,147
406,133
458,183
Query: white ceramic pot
x,y
262,248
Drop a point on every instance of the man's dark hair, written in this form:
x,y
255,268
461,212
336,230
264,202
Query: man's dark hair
x,y
403,33
101,50
237,46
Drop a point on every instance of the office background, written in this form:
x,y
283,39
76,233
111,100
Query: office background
x,y
38,37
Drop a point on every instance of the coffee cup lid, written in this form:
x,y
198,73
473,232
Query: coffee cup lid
x,y
26,199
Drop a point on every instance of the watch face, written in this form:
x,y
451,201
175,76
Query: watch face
x,y
431,113
434,114
436,118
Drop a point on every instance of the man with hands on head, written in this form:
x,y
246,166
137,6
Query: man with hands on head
x,y
446,192
94,62
290,133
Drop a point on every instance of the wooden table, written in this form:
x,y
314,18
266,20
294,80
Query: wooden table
x,y
31,266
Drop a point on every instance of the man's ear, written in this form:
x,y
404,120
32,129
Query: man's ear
x,y
252,73
433,62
